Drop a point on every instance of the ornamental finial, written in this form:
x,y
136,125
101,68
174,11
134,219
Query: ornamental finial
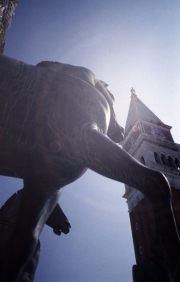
x,y
133,91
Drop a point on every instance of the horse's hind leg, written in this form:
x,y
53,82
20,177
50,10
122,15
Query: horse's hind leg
x,y
105,157
38,200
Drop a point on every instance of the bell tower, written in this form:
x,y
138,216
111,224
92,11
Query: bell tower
x,y
149,141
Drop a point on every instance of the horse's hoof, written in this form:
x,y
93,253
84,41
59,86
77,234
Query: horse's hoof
x,y
25,277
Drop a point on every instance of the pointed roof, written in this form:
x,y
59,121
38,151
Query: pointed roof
x,y
138,110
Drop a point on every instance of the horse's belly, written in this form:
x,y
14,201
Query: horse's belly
x,y
24,160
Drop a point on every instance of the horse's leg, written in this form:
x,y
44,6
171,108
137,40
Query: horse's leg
x,y
30,268
38,200
105,157
58,221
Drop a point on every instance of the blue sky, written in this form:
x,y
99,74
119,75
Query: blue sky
x,y
126,43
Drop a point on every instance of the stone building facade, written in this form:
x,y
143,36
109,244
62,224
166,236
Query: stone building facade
x,y
7,8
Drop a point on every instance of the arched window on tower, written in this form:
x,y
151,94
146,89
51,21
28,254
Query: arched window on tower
x,y
170,162
177,163
157,159
140,250
142,160
163,159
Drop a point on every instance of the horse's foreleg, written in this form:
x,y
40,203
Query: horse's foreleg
x,y
38,200
58,221
30,268
105,157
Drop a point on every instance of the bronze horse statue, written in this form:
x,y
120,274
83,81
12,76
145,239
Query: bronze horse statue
x,y
56,121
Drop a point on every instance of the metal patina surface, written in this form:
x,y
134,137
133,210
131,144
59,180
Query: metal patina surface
x,y
56,121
